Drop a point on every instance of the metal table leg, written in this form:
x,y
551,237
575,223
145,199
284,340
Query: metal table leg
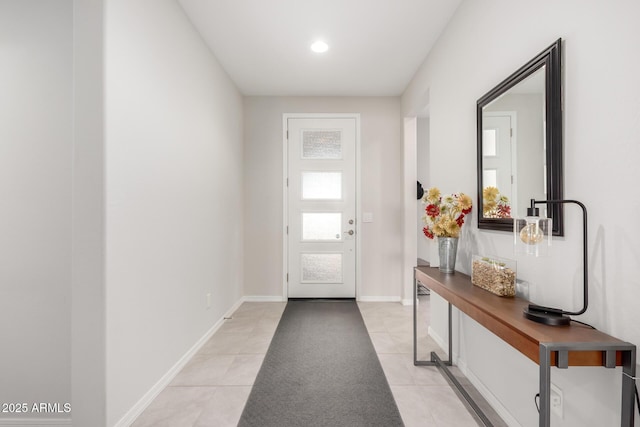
x,y
545,386
443,365
417,362
609,350
628,386
432,362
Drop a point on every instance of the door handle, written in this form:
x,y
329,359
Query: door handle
x,y
350,232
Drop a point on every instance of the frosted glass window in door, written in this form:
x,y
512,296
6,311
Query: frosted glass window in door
x,y
489,142
322,185
321,144
321,226
490,178
321,268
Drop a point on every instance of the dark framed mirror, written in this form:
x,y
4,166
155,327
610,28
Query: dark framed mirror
x,y
520,144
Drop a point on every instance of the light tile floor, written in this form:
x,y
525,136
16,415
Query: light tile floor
x,y
213,387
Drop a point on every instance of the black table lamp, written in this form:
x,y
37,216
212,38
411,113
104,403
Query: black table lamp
x,y
532,236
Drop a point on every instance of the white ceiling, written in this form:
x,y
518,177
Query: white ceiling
x,y
375,46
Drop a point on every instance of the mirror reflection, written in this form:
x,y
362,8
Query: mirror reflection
x,y
513,149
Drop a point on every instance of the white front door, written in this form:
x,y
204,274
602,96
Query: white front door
x,y
321,212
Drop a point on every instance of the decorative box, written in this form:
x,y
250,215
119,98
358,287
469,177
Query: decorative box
x,y
496,275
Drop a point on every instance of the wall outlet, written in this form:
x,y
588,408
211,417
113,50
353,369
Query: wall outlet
x,y
208,300
557,401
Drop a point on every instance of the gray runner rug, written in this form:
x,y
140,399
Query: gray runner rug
x,y
321,370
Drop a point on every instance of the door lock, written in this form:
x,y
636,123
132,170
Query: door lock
x,y
351,222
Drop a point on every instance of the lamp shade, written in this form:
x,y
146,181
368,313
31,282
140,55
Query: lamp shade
x,y
532,236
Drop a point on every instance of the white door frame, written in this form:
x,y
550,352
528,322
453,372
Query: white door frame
x,y
285,195
410,167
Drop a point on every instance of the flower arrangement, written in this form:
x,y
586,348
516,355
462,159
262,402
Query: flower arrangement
x,y
495,205
444,215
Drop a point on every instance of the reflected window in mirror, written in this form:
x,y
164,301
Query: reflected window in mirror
x,y
520,143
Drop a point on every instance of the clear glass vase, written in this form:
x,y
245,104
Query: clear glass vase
x,y
447,250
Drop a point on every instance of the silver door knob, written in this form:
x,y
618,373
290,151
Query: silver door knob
x,y
350,221
350,232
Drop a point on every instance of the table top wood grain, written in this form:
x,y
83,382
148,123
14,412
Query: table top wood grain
x,y
504,317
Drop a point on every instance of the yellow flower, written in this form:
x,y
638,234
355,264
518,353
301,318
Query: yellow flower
x,y
465,202
439,228
433,195
490,193
488,206
452,228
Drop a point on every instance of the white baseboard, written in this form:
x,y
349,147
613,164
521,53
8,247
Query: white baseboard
x,y
267,298
379,299
149,396
35,422
489,397
258,298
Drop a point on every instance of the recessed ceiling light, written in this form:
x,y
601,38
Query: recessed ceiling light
x,y
319,46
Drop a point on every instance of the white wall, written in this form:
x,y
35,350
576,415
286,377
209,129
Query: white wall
x,y
35,203
381,174
174,162
88,381
484,43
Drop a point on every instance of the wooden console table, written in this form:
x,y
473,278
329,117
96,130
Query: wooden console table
x,y
547,346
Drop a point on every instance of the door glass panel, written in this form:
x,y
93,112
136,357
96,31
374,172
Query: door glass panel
x,y
321,226
321,144
321,268
322,185
490,178
491,147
